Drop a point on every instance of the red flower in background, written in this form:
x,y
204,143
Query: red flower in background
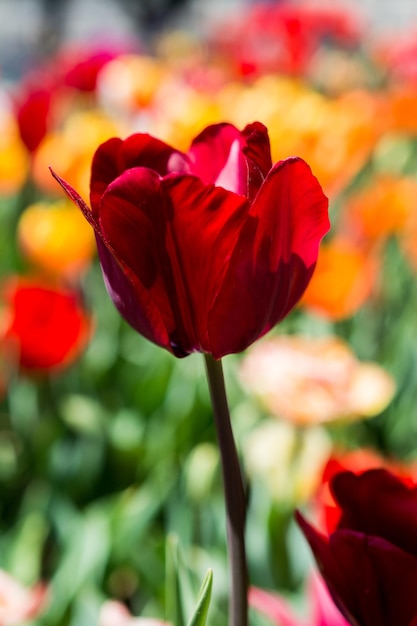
x,y
204,251
80,66
357,461
42,327
283,37
44,95
33,108
370,561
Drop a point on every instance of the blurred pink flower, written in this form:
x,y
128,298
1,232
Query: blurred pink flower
x,y
321,608
114,613
18,603
308,380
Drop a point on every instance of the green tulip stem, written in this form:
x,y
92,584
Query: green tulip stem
x,y
234,494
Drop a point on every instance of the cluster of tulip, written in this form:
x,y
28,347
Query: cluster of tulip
x,y
208,231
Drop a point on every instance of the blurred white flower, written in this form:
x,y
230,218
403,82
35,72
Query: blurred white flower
x,y
288,460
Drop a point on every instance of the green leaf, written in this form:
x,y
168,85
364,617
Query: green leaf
x,y
203,602
174,600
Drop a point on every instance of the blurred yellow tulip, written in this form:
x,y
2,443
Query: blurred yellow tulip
x,y
14,158
56,238
71,150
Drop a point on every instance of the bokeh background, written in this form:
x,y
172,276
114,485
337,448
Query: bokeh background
x,y
109,474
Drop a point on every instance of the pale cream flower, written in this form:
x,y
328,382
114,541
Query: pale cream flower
x,y
312,381
289,461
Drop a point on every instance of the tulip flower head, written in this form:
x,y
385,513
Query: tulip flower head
x,y
369,562
207,250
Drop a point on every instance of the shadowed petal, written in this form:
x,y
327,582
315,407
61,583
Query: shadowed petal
x,y
368,502
132,301
274,258
203,232
165,232
372,581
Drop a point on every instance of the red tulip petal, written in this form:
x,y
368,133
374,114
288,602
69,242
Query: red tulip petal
x,y
210,151
164,231
292,202
372,581
132,220
237,161
257,151
115,156
368,502
105,168
132,301
205,227
336,575
274,258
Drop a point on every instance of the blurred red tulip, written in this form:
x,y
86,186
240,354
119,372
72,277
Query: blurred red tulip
x,y
44,328
370,561
32,116
80,66
283,37
204,251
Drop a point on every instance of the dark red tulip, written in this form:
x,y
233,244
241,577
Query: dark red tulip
x,y
43,327
204,251
370,561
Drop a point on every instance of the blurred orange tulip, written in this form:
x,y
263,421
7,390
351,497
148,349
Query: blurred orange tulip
x,y
56,238
71,150
401,103
14,158
343,280
381,209
335,136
